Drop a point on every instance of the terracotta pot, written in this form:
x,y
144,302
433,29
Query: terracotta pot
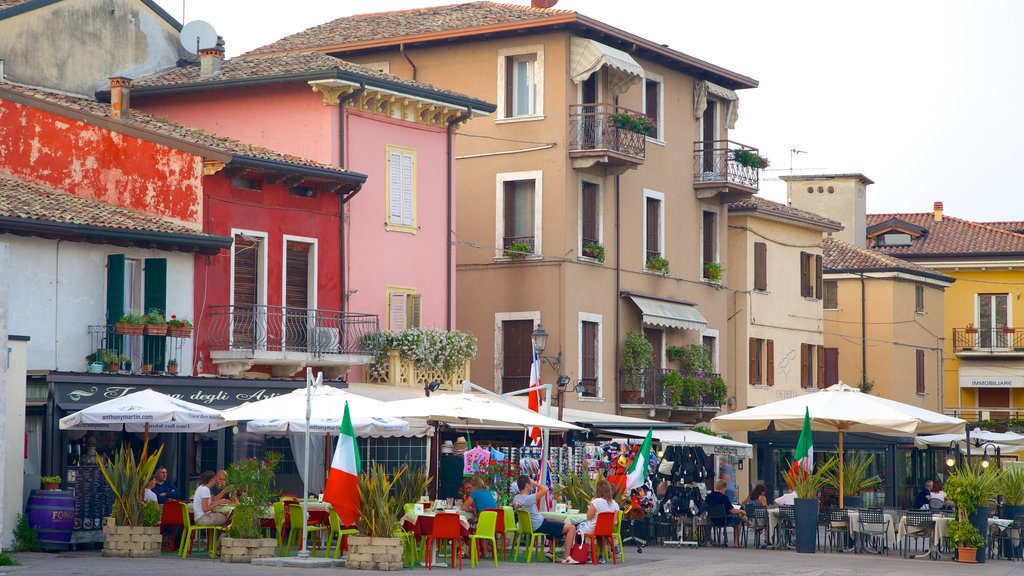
x,y
156,330
179,331
967,555
51,486
172,369
129,329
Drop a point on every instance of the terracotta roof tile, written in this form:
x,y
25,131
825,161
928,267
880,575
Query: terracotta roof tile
x,y
1014,226
950,237
839,256
24,200
147,122
275,65
766,206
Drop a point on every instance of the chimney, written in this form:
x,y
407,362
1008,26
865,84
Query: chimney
x,y
938,211
120,90
210,60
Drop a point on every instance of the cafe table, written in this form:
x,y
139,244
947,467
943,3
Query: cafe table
x,y
942,529
570,516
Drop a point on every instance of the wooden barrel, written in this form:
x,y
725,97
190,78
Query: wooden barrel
x,y
52,514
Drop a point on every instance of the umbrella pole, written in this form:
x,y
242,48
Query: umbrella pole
x,y
841,458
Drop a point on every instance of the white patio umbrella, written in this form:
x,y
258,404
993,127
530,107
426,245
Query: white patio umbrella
x,y
842,409
145,411
469,409
1006,442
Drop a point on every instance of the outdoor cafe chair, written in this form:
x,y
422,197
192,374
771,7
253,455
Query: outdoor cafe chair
x,y
872,531
171,521
786,528
617,535
1006,540
526,535
338,534
718,518
919,526
280,524
486,527
190,529
604,528
297,529
509,516
837,529
758,523
447,529
499,528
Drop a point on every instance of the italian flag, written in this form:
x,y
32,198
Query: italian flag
x,y
803,458
637,473
342,490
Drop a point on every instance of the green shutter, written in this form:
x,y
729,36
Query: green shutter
x,y
115,287
156,285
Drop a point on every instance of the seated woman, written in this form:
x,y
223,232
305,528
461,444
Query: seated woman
x,y
604,501
203,502
757,496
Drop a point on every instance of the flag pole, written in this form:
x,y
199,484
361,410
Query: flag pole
x,y
303,553
841,458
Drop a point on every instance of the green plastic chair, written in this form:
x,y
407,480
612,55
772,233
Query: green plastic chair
x,y
510,526
337,533
188,529
410,552
486,528
533,539
617,535
279,525
297,528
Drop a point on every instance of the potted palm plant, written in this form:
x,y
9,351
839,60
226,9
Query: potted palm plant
x,y
969,489
251,480
808,486
378,522
126,531
856,478
1012,491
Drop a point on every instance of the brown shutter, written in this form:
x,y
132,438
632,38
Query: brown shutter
x,y
245,295
760,266
805,278
589,213
817,276
710,235
510,75
415,316
920,372
510,212
804,367
821,366
831,366
588,376
397,315
517,354
651,104
753,362
652,226
769,373
297,280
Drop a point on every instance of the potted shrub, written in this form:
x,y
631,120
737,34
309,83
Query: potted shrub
x,y
808,488
251,479
969,489
131,324
750,159
172,366
517,250
856,478
655,263
377,548
125,530
147,366
595,251
156,324
50,482
713,272
967,540
179,327
1012,490
111,359
970,329
636,360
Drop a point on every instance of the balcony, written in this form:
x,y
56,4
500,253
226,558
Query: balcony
x,y
289,339
595,139
717,172
987,343
645,389
115,353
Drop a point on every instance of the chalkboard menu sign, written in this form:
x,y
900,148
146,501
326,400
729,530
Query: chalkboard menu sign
x,y
93,497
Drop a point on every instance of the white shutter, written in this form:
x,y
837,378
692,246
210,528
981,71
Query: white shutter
x,y
397,313
395,187
407,218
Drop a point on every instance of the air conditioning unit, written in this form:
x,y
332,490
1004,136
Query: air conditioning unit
x,y
324,340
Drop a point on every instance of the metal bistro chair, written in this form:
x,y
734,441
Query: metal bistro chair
x,y
718,519
758,516
1015,531
872,531
785,528
919,526
837,529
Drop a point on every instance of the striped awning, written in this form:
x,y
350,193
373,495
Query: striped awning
x,y
587,56
669,314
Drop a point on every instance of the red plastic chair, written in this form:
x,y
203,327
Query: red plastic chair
x,y
501,529
603,528
448,530
170,516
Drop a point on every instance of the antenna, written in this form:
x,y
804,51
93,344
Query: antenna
x,y
793,152
197,35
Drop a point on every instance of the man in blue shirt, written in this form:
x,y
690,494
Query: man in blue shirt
x,y
734,516
923,496
165,489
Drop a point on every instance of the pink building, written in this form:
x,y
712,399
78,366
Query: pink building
x,y
397,235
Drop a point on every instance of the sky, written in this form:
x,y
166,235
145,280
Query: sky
x,y
923,97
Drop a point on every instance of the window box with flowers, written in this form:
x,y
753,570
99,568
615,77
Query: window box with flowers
x,y
131,324
633,122
595,251
179,327
518,250
658,264
750,159
156,324
172,366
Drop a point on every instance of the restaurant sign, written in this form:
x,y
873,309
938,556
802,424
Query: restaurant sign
x,y
76,395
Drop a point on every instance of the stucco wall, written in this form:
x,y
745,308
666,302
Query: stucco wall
x,y
14,440
75,45
60,290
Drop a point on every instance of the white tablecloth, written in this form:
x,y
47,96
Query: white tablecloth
x,y
890,531
941,529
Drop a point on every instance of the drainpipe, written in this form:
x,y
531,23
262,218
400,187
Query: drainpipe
x,y
450,159
344,198
618,271
863,333
401,50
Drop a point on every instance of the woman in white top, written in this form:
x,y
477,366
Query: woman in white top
x,y
604,501
203,502
149,495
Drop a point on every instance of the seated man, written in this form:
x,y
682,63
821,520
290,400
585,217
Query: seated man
x,y
924,496
734,516
786,499
527,500
165,489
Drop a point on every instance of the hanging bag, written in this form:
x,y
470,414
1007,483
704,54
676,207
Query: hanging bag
x,y
580,551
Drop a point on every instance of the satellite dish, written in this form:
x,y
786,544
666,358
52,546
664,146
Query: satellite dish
x,y
198,35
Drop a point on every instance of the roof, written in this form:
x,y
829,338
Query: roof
x,y
442,24
952,237
775,209
9,8
839,256
28,208
801,177
1014,226
301,66
148,127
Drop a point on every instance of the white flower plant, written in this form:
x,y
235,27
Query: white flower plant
x,y
432,349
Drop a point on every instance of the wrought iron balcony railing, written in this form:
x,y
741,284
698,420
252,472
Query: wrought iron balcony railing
x,y
647,388
279,329
135,353
715,161
993,340
594,127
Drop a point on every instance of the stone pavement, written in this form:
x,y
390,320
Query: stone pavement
x,y
655,561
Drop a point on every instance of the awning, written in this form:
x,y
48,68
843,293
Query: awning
x,y
669,314
701,91
588,56
711,444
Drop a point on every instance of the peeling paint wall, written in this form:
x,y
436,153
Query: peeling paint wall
x,y
99,164
75,45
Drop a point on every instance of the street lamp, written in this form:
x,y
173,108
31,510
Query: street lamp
x,y
984,454
540,342
951,453
562,383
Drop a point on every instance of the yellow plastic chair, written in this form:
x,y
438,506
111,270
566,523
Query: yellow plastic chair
x,y
533,539
279,518
337,532
486,527
510,526
297,528
617,535
188,529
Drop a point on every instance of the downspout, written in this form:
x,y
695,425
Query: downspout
x,y
401,50
863,334
618,273
344,198
450,159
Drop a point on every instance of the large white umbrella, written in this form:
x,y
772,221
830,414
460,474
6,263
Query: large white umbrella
x,y
470,409
145,410
842,409
1006,442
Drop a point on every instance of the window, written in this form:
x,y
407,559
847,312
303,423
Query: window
x,y
812,366
894,239
139,285
521,74
248,289
711,345
993,315
404,308
831,297
810,275
709,240
762,362
654,222
919,298
590,356
516,354
653,108
518,208
590,218
401,189
300,292
246,184
760,266
920,371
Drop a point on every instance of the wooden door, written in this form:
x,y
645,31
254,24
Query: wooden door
x,y
593,118
709,135
517,354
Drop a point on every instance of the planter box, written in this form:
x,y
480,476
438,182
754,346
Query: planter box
x,y
243,550
805,512
365,553
179,332
156,330
129,329
967,555
130,541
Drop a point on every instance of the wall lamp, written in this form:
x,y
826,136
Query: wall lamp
x,y
432,386
540,342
